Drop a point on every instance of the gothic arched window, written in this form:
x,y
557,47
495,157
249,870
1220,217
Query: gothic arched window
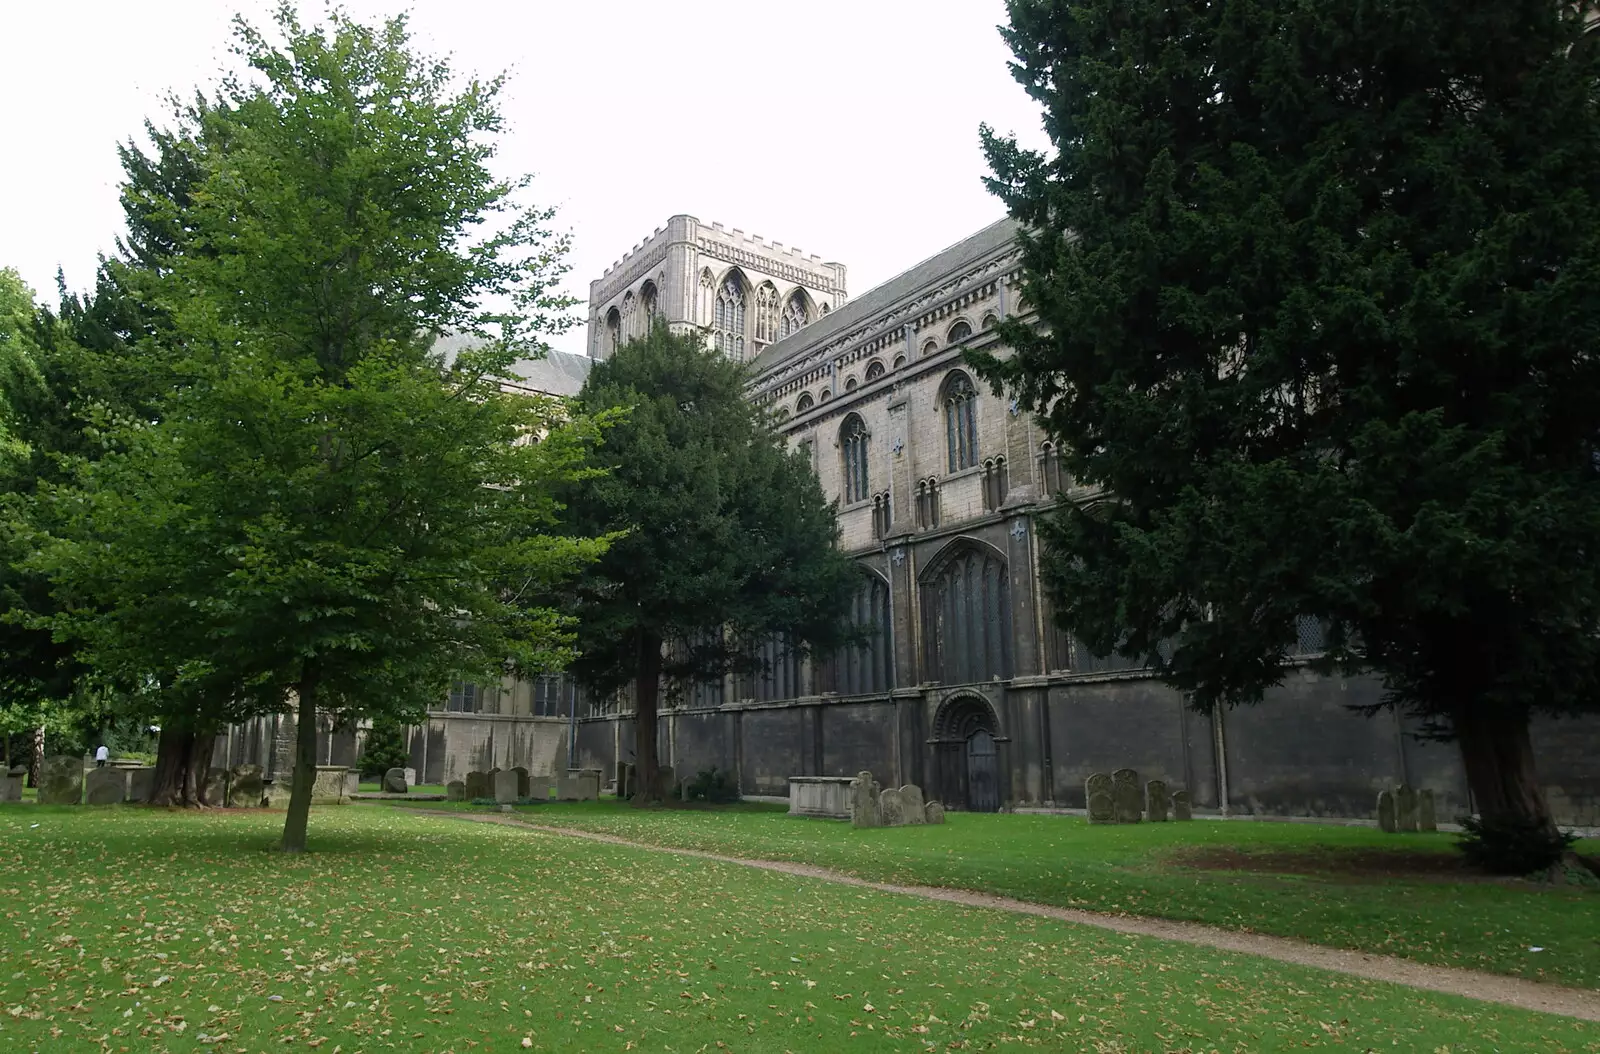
x,y
705,310
990,321
630,307
866,668
853,445
730,316
766,313
995,484
647,302
613,330
874,370
966,608
1050,477
804,403
795,314
958,332
960,400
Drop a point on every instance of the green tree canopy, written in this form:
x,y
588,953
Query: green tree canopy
x,y
730,542
325,505
1318,291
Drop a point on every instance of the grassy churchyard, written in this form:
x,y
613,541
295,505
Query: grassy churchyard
x,y
1324,884
128,928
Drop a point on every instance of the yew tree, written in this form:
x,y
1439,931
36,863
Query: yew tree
x,y
325,511
726,539
1318,299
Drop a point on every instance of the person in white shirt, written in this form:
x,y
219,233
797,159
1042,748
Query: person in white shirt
x,y
101,756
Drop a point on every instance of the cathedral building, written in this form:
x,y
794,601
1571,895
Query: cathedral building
x,y
968,689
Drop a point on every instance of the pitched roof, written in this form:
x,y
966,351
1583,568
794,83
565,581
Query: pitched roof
x,y
558,373
881,298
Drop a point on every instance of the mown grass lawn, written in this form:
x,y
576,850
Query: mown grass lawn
x,y
126,928
1062,860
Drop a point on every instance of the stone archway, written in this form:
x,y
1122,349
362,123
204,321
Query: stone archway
x,y
967,765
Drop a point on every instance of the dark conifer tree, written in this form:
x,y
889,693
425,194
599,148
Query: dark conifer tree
x,y
1318,287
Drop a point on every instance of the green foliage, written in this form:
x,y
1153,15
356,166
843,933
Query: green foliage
x,y
1317,289
1508,845
324,501
384,748
726,530
712,785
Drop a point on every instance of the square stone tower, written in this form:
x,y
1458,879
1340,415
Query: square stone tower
x,y
748,292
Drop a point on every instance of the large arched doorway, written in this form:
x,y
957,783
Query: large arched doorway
x,y
966,742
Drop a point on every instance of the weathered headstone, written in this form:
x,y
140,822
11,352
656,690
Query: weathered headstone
x,y
911,805
889,807
1180,806
666,782
11,783
568,788
245,789
1126,801
505,787
455,790
934,811
411,777
394,782
524,785
1156,801
588,783
327,784
61,780
352,783
477,785
105,786
865,810
1405,809
1427,816
1386,811
625,787
216,787
141,784
1097,797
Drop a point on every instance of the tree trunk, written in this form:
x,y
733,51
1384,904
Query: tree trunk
x,y
172,765
305,762
200,751
36,764
1497,753
647,691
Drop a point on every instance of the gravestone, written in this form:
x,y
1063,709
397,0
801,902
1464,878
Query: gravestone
x,y
588,783
625,787
394,782
1126,801
245,789
505,787
1427,817
1405,809
105,786
666,782
141,784
1386,811
1155,801
327,784
352,783
11,783
411,777
216,787
568,789
524,785
455,790
61,781
889,807
933,811
864,806
477,785
1097,796
1180,806
912,805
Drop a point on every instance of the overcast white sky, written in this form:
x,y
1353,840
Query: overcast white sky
x,y
847,128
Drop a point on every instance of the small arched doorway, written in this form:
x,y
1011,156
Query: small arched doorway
x,y
966,743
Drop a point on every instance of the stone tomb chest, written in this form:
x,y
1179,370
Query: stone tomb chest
x,y
824,796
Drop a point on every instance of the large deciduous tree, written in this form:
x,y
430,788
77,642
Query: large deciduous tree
x,y
1318,287
325,507
730,542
